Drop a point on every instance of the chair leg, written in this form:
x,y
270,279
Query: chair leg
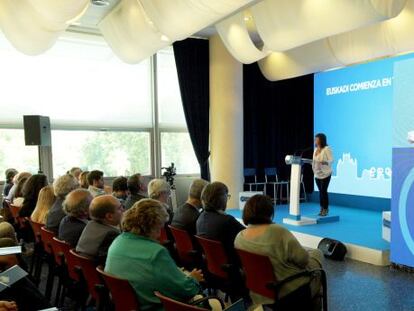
x,y
50,280
58,292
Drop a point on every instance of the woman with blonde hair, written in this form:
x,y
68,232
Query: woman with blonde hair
x,y
83,179
44,203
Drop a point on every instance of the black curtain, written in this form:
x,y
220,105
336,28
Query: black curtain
x,y
278,120
192,59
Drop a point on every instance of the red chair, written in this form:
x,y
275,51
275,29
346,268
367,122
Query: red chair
x,y
21,221
187,253
260,279
122,294
95,285
47,238
174,305
60,251
38,253
163,239
216,257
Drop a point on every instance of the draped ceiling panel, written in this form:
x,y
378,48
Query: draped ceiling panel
x,y
287,37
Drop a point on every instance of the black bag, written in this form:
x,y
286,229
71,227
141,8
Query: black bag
x,y
332,249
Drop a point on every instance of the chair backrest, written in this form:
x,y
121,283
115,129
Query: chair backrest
x,y
183,244
249,172
215,256
91,276
122,293
47,237
14,210
174,305
36,226
259,273
60,250
163,239
74,267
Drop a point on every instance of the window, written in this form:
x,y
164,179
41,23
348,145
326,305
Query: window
x,y
114,153
176,146
14,153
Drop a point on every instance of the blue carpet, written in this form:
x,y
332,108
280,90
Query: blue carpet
x,y
356,226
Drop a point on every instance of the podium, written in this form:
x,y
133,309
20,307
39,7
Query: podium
x,y
295,218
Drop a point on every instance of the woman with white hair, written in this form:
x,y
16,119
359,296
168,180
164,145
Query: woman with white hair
x,y
160,190
154,269
62,186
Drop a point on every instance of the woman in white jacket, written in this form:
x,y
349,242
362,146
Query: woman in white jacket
x,y
322,169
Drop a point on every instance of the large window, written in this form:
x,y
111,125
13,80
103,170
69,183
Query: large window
x,y
103,112
14,153
176,145
115,153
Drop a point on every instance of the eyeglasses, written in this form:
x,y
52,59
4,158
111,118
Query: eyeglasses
x,y
228,196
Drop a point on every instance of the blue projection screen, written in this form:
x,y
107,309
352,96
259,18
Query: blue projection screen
x,y
353,107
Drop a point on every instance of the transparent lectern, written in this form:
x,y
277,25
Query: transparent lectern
x,y
295,217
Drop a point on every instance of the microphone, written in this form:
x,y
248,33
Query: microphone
x,y
302,151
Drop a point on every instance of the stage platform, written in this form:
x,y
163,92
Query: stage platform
x,y
359,229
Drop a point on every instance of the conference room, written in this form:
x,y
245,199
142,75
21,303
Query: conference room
x,y
206,155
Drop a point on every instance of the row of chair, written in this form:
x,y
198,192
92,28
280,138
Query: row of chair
x,y
281,189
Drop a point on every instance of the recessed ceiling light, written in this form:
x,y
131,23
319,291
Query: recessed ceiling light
x,y
164,38
247,18
100,2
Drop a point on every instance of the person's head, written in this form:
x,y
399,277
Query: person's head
x,y
20,180
320,140
215,196
77,203
146,218
32,187
195,190
64,184
75,172
44,203
159,189
83,179
95,179
135,184
10,173
106,209
258,210
120,187
7,231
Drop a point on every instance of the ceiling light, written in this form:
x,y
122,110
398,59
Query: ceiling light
x,y
100,2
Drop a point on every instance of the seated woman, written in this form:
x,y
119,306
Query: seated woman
x,y
288,257
44,203
153,268
30,192
213,223
17,189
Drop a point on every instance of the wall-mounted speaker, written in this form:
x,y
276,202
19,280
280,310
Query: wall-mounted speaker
x,y
37,131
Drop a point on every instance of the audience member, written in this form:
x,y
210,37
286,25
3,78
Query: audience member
x,y
96,183
30,192
44,203
75,172
8,306
185,217
160,190
7,231
154,269
288,257
83,180
136,188
18,191
213,223
76,207
8,184
23,292
120,188
106,213
62,186
10,197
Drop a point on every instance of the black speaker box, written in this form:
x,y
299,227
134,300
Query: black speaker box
x,y
37,131
332,249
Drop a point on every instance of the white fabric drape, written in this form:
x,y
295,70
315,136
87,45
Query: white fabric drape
x,y
379,40
32,26
179,19
235,36
130,33
286,24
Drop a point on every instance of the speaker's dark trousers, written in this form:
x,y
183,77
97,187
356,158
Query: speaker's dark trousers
x,y
323,191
